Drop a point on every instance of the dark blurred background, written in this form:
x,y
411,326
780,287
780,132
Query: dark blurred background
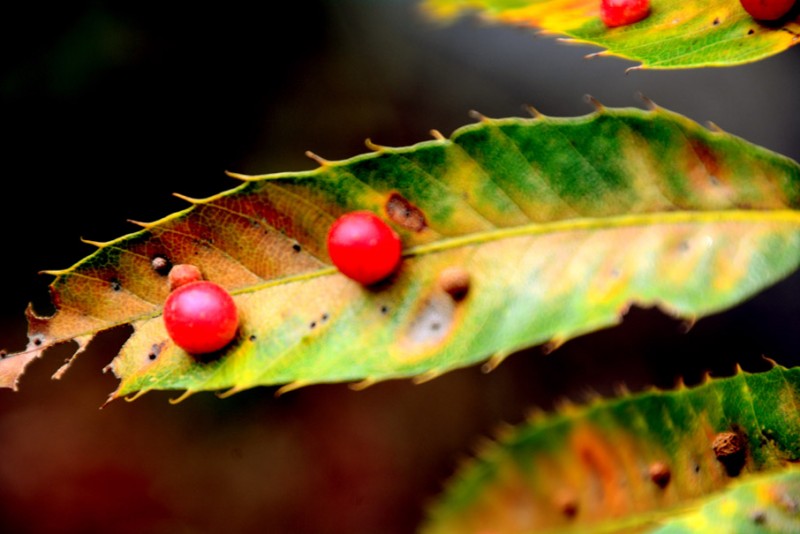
x,y
108,107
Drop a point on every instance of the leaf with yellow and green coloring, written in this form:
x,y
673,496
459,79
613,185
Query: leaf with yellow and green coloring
x,y
765,504
516,232
694,33
624,465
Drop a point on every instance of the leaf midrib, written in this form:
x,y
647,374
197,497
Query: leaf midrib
x,y
568,225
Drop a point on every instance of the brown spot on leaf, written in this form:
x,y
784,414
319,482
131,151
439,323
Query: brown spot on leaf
x,y
455,282
660,474
567,504
730,449
405,214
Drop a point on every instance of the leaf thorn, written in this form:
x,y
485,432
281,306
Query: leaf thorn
x,y
594,102
494,360
478,116
427,376
187,199
553,344
373,146
362,385
238,176
714,128
185,395
140,223
533,112
648,103
228,393
54,272
769,360
631,69
297,384
436,134
97,244
322,162
131,398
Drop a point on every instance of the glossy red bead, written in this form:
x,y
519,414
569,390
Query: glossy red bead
x,y
363,247
201,317
621,12
767,9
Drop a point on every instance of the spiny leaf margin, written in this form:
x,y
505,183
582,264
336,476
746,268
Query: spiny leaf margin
x,y
591,468
676,35
722,212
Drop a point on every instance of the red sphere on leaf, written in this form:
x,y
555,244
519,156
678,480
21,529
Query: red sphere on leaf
x,y
621,12
201,317
767,9
363,247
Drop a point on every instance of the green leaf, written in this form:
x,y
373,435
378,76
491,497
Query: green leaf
x,y
558,226
764,504
626,464
694,33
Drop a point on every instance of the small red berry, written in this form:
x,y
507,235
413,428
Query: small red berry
x,y
767,9
182,274
621,12
363,247
201,317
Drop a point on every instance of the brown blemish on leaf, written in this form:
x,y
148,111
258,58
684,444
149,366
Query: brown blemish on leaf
x,y
604,468
660,474
730,449
403,213
566,503
455,282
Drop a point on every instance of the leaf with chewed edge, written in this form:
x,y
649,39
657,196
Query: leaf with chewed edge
x,y
516,232
628,464
686,34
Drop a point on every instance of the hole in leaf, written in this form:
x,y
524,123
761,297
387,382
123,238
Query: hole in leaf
x,y
252,337
161,264
116,285
296,247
